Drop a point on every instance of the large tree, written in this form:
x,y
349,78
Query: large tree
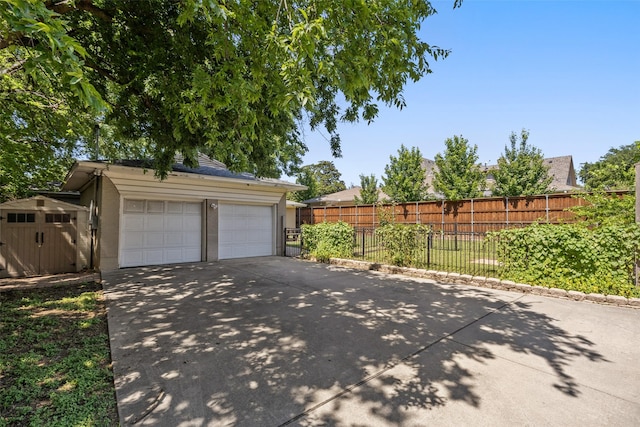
x,y
320,178
404,179
458,175
369,190
613,171
328,177
521,170
305,177
233,79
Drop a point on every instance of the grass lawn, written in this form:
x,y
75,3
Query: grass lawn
x,y
55,362
476,257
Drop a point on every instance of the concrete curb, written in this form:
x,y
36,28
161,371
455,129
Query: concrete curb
x,y
488,282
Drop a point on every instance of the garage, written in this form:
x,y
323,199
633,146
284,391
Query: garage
x,y
157,232
245,231
198,214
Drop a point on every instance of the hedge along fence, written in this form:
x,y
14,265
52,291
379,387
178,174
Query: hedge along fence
x,y
599,260
565,256
480,215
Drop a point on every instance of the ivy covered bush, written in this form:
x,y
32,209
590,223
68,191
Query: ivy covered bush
x,y
402,242
572,257
328,240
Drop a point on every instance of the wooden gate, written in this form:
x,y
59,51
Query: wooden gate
x,y
38,242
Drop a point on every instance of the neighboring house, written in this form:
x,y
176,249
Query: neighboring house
x,y
560,168
40,235
203,214
341,198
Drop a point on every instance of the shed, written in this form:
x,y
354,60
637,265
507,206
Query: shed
x,y
40,235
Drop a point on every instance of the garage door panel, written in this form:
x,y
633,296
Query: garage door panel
x,y
134,240
133,222
161,232
153,256
153,239
132,257
154,222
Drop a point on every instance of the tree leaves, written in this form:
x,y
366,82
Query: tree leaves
x,y
613,171
368,190
458,176
521,170
236,80
404,179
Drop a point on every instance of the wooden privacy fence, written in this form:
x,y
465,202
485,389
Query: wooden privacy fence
x,y
550,208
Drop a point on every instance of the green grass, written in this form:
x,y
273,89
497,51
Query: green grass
x,y
55,363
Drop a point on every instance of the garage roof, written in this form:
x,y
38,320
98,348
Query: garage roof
x,y
82,171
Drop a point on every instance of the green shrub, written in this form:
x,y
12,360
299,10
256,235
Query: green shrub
x,y
572,257
605,209
402,241
328,240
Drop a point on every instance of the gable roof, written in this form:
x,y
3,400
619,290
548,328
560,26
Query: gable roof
x,y
563,173
345,197
560,169
82,171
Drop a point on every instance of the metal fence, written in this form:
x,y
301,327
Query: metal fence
x,y
460,248
451,248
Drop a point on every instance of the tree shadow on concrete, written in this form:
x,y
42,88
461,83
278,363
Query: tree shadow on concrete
x,y
280,341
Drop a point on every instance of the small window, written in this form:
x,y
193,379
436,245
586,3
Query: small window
x,y
57,218
21,217
155,206
133,206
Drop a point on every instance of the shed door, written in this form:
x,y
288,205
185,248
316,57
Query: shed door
x,y
245,231
38,242
160,232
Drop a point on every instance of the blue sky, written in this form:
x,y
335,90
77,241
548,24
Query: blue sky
x,y
567,71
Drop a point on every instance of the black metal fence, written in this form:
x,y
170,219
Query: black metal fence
x,y
455,248
447,249
460,248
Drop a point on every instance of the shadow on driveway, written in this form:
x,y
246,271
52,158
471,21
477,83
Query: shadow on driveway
x,y
276,341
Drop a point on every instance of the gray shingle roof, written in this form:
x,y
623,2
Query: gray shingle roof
x,y
560,168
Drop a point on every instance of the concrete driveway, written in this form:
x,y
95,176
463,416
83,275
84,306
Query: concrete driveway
x,y
278,341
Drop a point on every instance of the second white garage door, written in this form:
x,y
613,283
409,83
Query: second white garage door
x,y
245,231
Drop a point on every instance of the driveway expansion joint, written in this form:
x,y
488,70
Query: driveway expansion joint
x,y
392,364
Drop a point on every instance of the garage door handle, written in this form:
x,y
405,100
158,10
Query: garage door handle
x,y
42,238
37,237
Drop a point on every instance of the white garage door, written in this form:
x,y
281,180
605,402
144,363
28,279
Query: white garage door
x,y
160,232
245,231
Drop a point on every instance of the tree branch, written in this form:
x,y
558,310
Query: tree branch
x,y
12,69
66,6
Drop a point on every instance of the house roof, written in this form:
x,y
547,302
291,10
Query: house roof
x,y
292,204
82,171
560,168
343,196
563,173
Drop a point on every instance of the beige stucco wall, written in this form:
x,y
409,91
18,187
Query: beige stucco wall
x,y
281,216
211,227
291,218
108,234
